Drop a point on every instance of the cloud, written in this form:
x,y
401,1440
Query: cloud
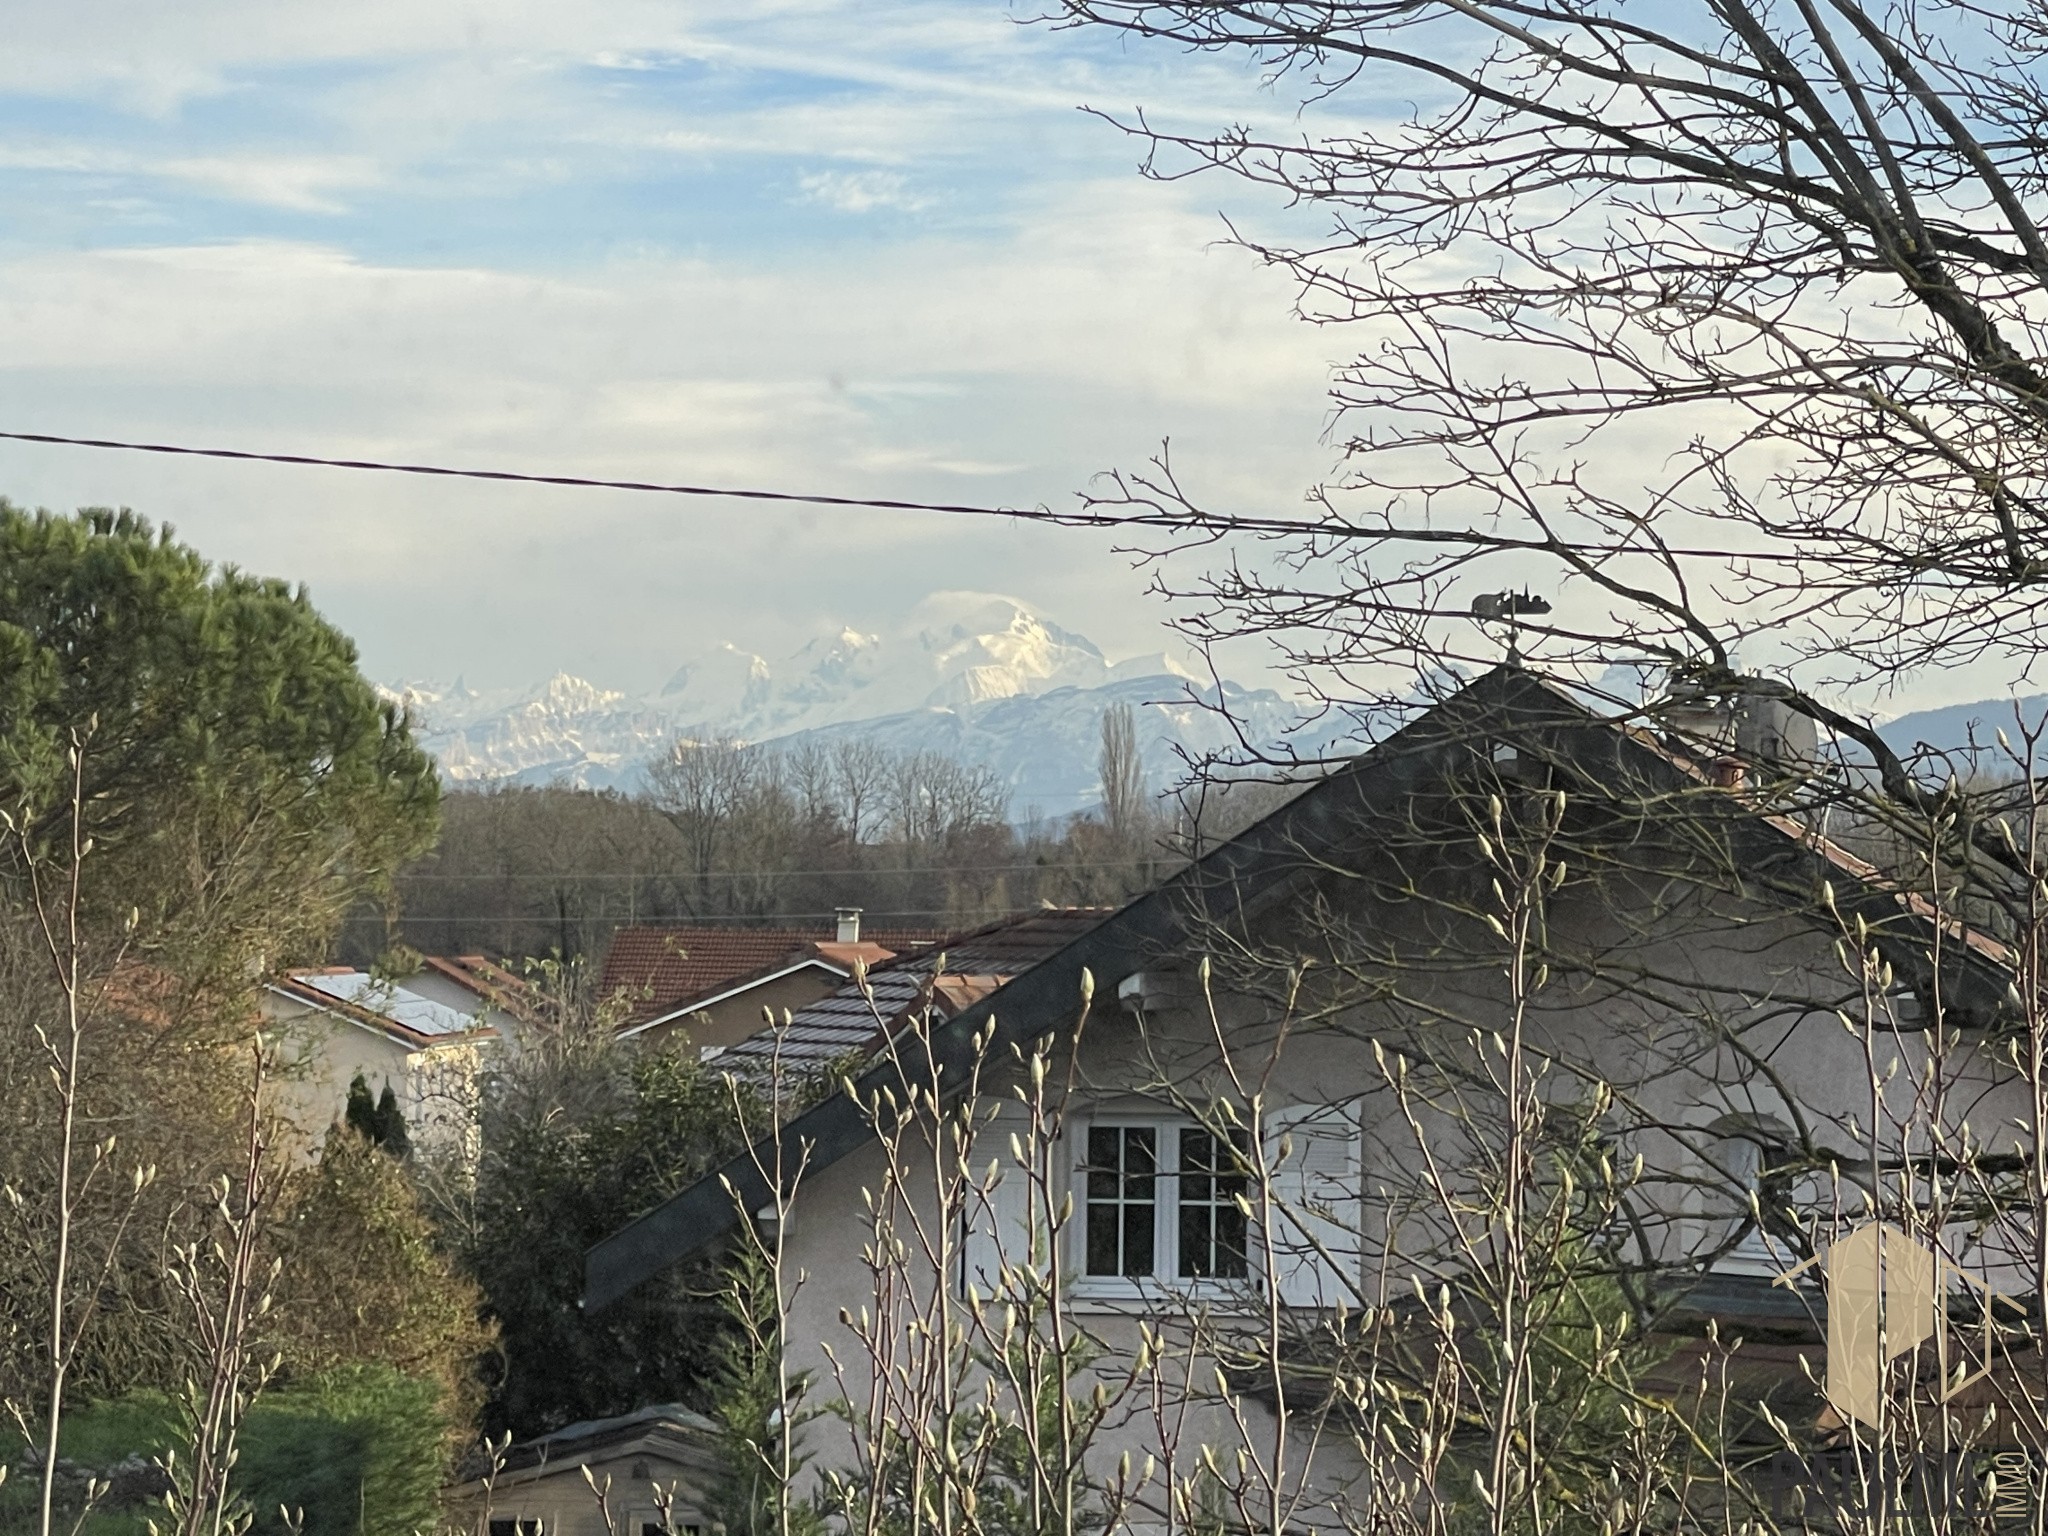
x,y
859,191
645,239
999,371
307,183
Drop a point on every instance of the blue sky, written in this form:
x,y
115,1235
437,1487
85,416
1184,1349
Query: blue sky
x,y
870,247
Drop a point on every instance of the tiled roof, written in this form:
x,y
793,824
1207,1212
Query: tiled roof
x,y
660,969
976,963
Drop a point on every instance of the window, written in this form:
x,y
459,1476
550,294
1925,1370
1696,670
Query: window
x,y
1123,1167
515,1528
1212,1221
1740,1170
1162,1203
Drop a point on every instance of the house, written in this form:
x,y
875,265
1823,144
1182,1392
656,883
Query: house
x,y
648,1464
424,1036
1513,942
944,977
713,983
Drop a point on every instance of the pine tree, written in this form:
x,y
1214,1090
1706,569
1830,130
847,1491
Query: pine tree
x,y
391,1132
361,1115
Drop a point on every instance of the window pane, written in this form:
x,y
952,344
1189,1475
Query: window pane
x,y
1103,1228
1140,1162
1230,1244
1122,1168
1103,1165
1137,1241
1212,1228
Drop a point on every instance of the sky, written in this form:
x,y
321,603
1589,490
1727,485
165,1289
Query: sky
x,y
872,248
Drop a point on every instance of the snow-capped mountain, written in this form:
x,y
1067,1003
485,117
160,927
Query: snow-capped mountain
x,y
973,675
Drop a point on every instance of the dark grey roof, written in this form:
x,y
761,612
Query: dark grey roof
x,y
831,1028
850,1020
1255,869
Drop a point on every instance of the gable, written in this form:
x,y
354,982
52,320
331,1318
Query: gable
x,y
658,970
1242,882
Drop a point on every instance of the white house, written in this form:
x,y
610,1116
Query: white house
x,y
649,1467
1510,903
424,1036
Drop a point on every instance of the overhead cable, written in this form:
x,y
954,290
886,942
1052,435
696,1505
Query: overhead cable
x,y
1179,519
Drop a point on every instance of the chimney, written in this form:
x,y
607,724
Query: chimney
x,y
849,924
1741,727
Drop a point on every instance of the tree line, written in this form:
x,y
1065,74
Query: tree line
x,y
728,832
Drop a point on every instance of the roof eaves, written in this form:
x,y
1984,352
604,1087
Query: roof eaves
x,y
698,1215
370,1019
732,990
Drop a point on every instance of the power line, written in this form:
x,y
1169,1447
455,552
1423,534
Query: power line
x,y
877,872
1181,520
517,477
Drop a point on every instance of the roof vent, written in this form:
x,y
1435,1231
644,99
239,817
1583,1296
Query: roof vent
x,y
849,924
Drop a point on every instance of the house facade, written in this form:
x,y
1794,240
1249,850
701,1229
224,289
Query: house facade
x,y
426,1037
1521,993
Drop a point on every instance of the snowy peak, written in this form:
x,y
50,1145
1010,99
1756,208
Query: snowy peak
x,y
567,695
719,685
984,647
973,662
954,648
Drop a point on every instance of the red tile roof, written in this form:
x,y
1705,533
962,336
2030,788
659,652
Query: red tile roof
x,y
662,969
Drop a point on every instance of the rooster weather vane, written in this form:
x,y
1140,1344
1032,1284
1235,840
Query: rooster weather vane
x,y
1506,608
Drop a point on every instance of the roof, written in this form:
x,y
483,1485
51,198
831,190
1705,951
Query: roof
x,y
380,1004
663,970
570,1446
1245,875
489,981
976,963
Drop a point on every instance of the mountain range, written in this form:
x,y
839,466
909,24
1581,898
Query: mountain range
x,y
973,675
976,676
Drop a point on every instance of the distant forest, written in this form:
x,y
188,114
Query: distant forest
x,y
732,833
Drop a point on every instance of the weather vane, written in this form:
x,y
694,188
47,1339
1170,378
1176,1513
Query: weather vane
x,y
1505,608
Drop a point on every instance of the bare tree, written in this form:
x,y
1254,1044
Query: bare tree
x,y
1716,324
1126,799
861,770
74,1283
223,1282
932,797
702,787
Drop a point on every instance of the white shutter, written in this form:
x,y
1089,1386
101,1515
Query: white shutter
x,y
1316,1178
995,1226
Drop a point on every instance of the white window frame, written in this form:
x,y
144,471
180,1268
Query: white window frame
x,y
1085,1287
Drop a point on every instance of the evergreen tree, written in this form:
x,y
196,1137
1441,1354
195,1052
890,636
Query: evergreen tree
x,y
361,1114
390,1121
243,781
